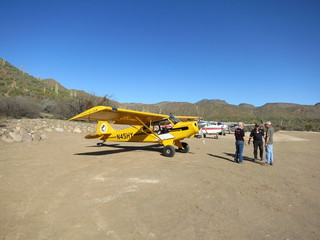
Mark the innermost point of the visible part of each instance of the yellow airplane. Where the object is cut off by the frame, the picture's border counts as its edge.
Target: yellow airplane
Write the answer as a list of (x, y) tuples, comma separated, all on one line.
[(145, 127)]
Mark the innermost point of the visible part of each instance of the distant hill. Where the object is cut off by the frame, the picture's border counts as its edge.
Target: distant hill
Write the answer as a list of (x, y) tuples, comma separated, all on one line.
[(16, 82), (53, 83), (213, 101), (246, 105), (282, 105)]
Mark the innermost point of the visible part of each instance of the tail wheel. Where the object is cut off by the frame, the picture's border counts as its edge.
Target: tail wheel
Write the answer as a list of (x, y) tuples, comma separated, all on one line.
[(169, 151), (185, 148)]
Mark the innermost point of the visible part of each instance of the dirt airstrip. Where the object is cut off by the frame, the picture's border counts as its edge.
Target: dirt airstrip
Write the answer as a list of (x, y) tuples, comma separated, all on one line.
[(68, 188)]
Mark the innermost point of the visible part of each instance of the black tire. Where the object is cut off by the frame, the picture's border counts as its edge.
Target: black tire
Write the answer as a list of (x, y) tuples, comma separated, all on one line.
[(99, 144), (169, 151), (185, 147)]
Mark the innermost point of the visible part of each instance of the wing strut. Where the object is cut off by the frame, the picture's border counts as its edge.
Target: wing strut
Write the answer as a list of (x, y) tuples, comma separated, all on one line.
[(143, 124)]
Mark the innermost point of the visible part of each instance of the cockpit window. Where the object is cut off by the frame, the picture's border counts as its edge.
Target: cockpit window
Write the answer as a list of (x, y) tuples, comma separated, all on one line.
[(174, 119)]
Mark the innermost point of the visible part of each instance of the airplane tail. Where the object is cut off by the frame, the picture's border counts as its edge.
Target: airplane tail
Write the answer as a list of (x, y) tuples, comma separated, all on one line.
[(103, 128)]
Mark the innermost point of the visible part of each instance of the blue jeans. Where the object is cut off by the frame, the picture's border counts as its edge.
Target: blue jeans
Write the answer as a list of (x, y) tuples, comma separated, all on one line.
[(269, 153), (239, 151)]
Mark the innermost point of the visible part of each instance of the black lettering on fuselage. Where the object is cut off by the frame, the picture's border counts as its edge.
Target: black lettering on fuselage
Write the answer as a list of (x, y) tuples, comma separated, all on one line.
[(124, 136)]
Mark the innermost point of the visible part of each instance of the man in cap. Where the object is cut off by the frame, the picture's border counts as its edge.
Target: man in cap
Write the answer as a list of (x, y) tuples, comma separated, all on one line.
[(269, 143), (240, 142), (257, 134)]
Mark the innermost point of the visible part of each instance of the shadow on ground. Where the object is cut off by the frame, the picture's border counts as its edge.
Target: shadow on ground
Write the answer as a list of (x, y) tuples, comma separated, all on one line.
[(120, 149), (230, 157)]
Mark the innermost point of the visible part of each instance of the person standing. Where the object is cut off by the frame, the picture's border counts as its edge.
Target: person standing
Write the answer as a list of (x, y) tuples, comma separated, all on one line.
[(240, 142), (257, 134), (269, 143)]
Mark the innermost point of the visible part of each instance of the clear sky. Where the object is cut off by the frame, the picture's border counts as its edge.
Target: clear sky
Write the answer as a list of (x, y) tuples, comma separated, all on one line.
[(150, 51)]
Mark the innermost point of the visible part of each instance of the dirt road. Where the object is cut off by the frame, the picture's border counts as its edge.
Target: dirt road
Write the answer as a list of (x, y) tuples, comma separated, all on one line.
[(67, 188)]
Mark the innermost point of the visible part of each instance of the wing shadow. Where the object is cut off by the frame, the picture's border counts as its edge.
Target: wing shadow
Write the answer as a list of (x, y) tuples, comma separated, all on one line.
[(120, 149)]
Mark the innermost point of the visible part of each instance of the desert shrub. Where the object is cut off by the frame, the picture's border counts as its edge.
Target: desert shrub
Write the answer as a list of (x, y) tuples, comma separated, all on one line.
[(49, 106), (19, 107), (66, 109)]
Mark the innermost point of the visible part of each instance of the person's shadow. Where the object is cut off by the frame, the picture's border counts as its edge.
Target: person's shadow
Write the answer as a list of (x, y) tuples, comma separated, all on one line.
[(230, 157)]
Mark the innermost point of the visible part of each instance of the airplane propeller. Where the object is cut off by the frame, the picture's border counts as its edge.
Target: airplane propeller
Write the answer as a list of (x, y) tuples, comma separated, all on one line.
[(201, 124)]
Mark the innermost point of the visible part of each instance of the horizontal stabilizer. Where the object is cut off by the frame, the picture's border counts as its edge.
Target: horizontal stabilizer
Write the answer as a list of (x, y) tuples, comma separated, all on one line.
[(92, 136)]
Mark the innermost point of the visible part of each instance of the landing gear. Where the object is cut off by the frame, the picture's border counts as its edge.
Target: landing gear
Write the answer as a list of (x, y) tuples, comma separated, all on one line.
[(185, 148), (169, 151), (100, 144)]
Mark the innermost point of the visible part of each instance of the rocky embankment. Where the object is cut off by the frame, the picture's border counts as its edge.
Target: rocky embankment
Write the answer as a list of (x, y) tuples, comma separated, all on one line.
[(24, 130)]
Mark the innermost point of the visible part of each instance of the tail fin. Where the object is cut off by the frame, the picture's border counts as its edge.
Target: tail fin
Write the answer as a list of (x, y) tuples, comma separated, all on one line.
[(104, 128)]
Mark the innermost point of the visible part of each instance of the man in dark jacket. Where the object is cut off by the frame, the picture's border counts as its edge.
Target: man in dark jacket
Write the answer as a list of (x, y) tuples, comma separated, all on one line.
[(257, 134), (240, 142)]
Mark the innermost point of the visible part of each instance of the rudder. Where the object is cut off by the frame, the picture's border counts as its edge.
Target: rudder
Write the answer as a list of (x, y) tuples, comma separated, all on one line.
[(104, 128)]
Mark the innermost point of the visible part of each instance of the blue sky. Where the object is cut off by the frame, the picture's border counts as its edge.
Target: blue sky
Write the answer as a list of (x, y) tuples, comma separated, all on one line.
[(150, 51)]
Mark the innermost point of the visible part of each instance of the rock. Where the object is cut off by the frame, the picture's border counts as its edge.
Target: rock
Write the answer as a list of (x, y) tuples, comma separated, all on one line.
[(6, 139), (77, 130), (58, 129), (15, 137), (43, 136), (26, 137), (36, 136)]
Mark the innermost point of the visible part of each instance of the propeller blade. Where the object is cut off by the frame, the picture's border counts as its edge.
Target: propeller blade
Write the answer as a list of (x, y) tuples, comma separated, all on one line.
[(202, 136)]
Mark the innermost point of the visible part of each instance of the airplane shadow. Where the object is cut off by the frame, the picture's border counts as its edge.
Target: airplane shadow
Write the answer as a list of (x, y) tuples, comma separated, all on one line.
[(152, 148), (104, 145), (231, 158)]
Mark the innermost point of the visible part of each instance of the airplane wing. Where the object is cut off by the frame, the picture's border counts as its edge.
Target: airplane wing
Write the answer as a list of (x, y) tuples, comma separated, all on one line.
[(186, 118), (122, 116)]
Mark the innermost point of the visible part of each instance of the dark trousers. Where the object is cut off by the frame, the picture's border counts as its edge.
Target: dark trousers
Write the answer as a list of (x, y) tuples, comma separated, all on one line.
[(256, 145)]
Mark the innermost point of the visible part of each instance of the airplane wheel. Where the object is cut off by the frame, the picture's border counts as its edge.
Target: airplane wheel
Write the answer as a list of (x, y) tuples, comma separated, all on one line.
[(185, 147), (99, 144), (169, 151)]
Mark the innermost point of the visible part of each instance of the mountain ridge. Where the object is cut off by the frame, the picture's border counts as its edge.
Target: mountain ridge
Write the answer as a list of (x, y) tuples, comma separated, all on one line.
[(15, 82)]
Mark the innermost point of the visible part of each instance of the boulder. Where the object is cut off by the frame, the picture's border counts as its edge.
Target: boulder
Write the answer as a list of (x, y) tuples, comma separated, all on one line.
[(6, 139), (36, 136), (43, 136), (26, 137), (77, 130), (58, 129), (15, 137)]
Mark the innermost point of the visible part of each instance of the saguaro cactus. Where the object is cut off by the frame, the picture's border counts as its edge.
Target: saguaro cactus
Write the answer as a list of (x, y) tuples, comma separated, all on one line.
[(56, 89)]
